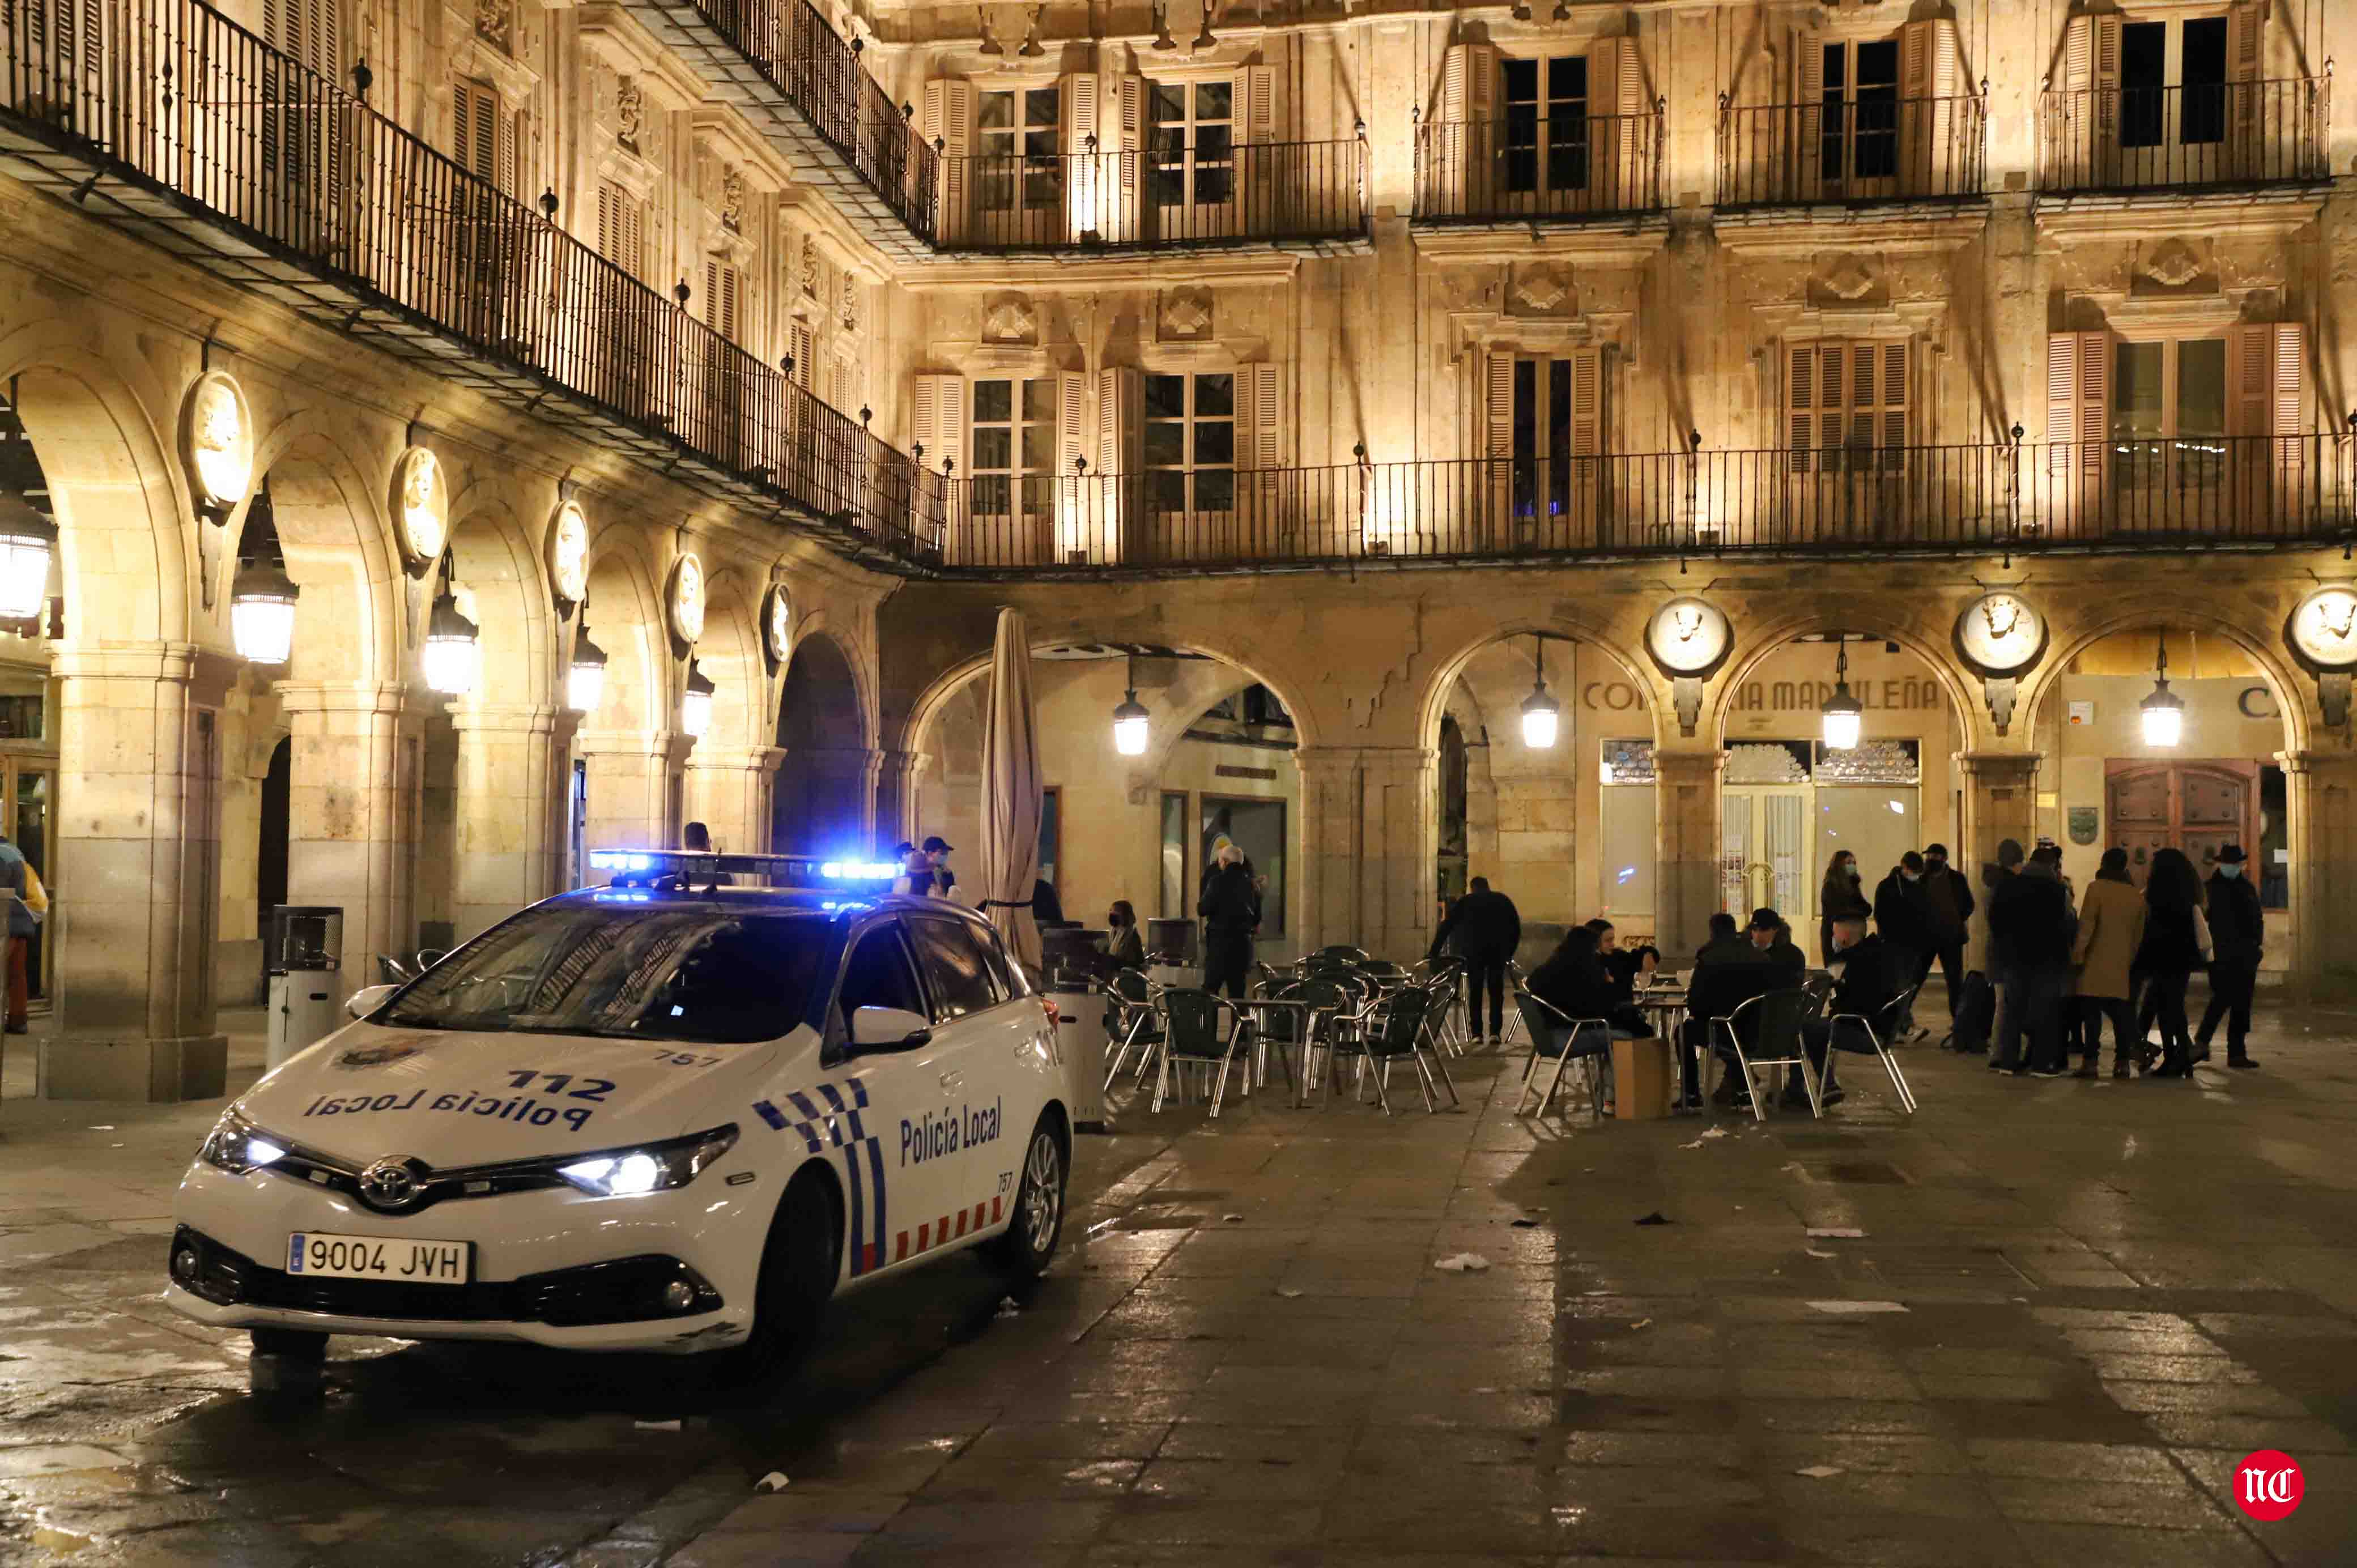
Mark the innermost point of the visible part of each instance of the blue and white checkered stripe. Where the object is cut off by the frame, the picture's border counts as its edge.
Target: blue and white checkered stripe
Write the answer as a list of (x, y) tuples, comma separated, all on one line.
[(818, 1118)]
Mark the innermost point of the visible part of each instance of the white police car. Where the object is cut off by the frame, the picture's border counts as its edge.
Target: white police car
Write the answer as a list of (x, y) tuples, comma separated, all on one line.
[(664, 1115)]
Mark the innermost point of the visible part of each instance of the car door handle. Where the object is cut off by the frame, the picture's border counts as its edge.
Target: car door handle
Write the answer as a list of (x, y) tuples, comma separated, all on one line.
[(950, 1081)]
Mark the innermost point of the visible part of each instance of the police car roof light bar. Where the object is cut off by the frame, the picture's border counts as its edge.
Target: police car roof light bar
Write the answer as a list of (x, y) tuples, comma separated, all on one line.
[(780, 870)]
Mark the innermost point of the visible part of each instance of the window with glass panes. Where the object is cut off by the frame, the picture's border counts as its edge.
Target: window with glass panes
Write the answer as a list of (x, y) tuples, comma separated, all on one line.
[(1014, 436), (1858, 132), (2169, 413), (1016, 133), (1546, 141), (1191, 441), (2173, 83), (1194, 142)]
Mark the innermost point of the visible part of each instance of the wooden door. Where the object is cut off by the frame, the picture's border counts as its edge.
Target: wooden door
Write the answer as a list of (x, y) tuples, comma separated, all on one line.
[(2193, 806)]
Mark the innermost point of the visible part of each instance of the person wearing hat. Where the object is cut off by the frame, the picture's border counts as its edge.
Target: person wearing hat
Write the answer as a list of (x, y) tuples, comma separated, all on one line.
[(938, 851), (2237, 938), (1773, 939)]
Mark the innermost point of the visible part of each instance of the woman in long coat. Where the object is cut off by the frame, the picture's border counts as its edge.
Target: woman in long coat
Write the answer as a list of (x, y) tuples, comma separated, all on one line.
[(2176, 943), (2111, 928)]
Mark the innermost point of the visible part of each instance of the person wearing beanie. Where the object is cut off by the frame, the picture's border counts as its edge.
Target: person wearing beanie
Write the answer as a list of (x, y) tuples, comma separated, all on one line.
[(2111, 928), (2237, 939)]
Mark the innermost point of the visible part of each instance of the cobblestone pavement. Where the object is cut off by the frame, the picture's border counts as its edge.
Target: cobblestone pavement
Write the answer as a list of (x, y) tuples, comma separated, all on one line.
[(2084, 1303)]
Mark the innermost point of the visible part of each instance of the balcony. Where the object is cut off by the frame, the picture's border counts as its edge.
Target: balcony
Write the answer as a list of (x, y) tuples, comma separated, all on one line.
[(167, 120), (2215, 136), (1280, 194), (1851, 153), (1528, 171), (2249, 493), (790, 74)]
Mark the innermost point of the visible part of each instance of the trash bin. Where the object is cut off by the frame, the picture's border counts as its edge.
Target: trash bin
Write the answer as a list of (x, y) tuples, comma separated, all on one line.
[(1080, 1035), (306, 942)]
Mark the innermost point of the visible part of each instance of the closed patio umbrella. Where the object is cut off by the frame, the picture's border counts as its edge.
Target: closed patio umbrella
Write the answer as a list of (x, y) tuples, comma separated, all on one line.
[(1011, 790)]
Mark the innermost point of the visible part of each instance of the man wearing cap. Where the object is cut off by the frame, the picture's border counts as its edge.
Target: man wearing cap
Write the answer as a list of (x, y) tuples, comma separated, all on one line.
[(929, 873), (2237, 937), (1773, 939)]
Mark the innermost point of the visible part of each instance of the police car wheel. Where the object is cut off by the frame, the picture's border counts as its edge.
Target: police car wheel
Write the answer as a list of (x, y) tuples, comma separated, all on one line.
[(799, 1263), (1030, 1240)]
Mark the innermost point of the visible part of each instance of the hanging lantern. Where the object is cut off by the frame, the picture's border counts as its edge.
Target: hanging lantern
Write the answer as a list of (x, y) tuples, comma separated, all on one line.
[(2164, 709), (27, 542), (262, 613), (1843, 714), (695, 704), (1542, 715), (1131, 723), (454, 648), (585, 680)]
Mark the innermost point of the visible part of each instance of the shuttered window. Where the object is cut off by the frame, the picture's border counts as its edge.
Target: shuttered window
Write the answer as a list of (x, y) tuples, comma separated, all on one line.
[(1015, 439), (1191, 441), (723, 286), (621, 228), (1845, 405)]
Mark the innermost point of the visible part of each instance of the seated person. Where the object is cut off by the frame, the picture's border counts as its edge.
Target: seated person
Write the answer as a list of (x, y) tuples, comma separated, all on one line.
[(1728, 971), (1773, 937), (1575, 983), (1866, 977)]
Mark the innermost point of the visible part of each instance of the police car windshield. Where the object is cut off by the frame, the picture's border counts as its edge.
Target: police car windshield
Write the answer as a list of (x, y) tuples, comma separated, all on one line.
[(679, 973)]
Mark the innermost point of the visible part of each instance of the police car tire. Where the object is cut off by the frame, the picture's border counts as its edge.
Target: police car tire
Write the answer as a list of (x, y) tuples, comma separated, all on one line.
[(799, 1263), (1017, 1250)]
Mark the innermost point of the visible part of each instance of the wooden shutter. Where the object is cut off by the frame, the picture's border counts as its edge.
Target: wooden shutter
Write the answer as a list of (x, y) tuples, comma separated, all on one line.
[(1930, 62), (1127, 219), (1498, 406), (1808, 117), (1075, 424), (1459, 166), (1080, 111), (1469, 84), (1256, 103), (938, 422), (621, 228), (800, 346), (1586, 403), (1615, 87), (475, 140), (1260, 422), (2078, 424), (1121, 401), (723, 286), (1800, 423), (2287, 418), (1080, 500), (1083, 186), (2249, 128), (948, 120)]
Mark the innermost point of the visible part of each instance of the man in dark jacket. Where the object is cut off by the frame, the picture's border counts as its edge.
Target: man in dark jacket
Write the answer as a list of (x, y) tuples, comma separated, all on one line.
[(1869, 975), (1905, 927), (1947, 917), (1728, 972), (1230, 910), (2031, 927), (1485, 929), (1773, 941), (2237, 938)]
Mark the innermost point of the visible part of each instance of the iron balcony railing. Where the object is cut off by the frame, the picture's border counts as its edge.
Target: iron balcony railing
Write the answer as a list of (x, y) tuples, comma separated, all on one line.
[(2216, 133), (305, 181), (819, 73), (1530, 170), (2120, 495), (1844, 150), (1213, 193)]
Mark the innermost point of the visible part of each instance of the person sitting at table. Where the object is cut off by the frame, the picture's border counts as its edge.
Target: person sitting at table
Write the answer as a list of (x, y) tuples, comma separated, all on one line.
[(1645, 966), (1575, 983), (1621, 966), (1125, 949), (1865, 972), (1728, 971), (1773, 939)]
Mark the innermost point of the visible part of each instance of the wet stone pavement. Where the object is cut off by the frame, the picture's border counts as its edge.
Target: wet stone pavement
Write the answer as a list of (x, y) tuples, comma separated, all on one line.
[(2069, 1310)]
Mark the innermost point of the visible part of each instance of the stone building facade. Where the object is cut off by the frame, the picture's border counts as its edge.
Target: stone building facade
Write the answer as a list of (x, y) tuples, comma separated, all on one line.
[(1340, 351)]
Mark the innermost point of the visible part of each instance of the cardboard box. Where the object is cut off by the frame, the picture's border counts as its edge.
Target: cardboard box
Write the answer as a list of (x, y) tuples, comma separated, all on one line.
[(1644, 1080)]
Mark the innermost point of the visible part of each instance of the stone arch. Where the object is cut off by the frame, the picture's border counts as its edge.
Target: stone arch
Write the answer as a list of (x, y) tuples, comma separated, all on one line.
[(348, 622), (503, 589), (624, 617), (1755, 645), (121, 503), (730, 655), (1434, 700), (824, 801), (2294, 693)]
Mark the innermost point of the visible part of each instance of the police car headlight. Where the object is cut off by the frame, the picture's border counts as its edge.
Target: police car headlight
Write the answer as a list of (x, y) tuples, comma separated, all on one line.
[(650, 1167), (236, 1146)]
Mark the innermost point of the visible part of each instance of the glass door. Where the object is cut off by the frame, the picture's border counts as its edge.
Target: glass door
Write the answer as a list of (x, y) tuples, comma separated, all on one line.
[(2172, 100), (1544, 153), (1857, 142), (2168, 431), (1193, 159)]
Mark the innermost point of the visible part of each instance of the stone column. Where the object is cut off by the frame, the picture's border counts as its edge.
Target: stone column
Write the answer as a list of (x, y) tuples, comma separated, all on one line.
[(511, 779), (2321, 787), (635, 787), (136, 885), (2000, 801), (729, 791), (1685, 848), (899, 779), (354, 797), (1370, 828)]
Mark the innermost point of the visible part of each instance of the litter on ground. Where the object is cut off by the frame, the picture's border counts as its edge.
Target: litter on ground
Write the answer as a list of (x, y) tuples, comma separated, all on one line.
[(1819, 1472), (1008, 1306), (1837, 1232), (775, 1481), (1852, 1308), (1462, 1263), (656, 1426)]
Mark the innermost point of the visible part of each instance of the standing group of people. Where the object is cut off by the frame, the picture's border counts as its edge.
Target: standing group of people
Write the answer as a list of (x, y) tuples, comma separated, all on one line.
[(2060, 965)]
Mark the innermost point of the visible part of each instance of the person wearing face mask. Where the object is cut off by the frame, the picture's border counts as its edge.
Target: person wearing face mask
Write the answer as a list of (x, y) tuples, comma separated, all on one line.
[(2237, 938), (1124, 947), (1842, 897), (1905, 927), (1947, 916)]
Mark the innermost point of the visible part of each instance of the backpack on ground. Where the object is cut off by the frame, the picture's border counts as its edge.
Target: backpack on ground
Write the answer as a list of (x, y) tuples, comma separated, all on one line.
[(1975, 1013)]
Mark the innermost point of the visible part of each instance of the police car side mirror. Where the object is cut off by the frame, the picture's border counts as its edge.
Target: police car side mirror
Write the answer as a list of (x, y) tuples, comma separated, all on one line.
[(889, 1028), (368, 999)]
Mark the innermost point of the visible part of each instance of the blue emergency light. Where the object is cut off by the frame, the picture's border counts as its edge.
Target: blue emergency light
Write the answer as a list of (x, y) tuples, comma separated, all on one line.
[(690, 867)]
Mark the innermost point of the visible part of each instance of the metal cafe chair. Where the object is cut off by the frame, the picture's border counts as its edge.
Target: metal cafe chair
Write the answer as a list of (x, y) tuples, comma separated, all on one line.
[(1193, 1037), (1339, 1005), (1344, 951), (1445, 981), (1583, 1040), (1130, 1018), (1515, 1022), (1888, 1015), (1395, 1030), (1286, 1027), (1776, 1042)]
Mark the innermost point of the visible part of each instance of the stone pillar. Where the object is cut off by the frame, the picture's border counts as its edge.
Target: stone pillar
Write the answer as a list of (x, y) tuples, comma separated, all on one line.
[(1685, 848), (2000, 802), (354, 798), (136, 879), (898, 780), (512, 778), (729, 793), (1370, 829), (2321, 787), (635, 787)]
